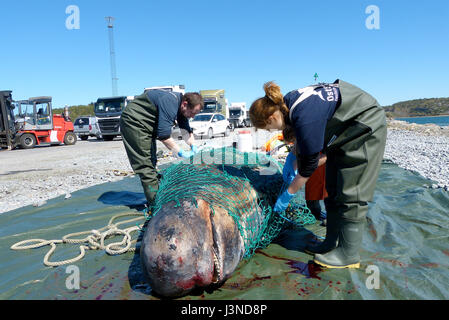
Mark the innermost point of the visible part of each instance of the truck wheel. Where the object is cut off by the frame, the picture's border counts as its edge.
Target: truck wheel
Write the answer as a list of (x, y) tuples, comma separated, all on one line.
[(70, 139), (210, 133), (27, 141)]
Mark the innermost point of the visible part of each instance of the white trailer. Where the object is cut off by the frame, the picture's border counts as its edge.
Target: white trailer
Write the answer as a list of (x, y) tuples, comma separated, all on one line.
[(180, 88)]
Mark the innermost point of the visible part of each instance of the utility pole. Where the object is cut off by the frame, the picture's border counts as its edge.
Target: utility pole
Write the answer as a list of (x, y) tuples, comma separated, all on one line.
[(112, 53)]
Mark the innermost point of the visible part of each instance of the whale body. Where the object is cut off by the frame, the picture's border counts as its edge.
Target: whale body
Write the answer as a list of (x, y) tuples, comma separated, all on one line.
[(196, 243)]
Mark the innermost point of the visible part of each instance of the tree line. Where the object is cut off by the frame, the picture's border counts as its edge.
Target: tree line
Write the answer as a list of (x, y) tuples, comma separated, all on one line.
[(77, 111), (419, 107)]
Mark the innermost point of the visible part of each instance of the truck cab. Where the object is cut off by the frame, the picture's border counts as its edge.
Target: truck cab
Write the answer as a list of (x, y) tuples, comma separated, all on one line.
[(108, 112), (239, 115), (214, 101)]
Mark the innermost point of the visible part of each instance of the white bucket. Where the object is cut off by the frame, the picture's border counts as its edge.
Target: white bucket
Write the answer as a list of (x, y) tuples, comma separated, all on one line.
[(245, 141)]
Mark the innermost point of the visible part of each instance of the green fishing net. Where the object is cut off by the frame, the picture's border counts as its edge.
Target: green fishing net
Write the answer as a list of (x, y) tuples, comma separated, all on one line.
[(246, 185)]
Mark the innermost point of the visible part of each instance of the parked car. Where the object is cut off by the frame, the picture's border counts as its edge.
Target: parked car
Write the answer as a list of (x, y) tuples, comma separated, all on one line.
[(209, 125), (87, 126)]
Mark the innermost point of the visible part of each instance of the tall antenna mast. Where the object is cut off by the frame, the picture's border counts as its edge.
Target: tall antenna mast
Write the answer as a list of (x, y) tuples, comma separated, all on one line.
[(112, 52)]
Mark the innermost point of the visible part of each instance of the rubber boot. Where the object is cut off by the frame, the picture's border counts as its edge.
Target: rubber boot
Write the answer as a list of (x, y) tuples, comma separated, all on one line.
[(346, 255), (331, 240)]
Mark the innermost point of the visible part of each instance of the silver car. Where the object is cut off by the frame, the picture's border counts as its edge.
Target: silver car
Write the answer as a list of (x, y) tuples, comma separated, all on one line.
[(87, 126)]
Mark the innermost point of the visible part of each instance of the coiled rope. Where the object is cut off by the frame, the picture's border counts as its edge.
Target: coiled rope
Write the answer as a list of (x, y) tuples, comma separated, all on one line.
[(95, 240)]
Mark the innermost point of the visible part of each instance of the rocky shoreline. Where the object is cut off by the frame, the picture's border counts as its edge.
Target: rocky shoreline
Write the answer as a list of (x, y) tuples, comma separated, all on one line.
[(420, 148)]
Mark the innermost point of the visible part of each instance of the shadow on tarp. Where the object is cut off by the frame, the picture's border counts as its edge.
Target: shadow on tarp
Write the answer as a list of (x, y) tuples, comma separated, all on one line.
[(133, 200), (405, 243)]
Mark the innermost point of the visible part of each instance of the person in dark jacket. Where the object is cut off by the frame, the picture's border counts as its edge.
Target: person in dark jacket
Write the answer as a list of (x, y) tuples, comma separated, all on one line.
[(348, 126), (151, 116)]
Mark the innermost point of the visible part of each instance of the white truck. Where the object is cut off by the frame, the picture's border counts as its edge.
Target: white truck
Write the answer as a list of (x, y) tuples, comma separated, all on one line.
[(238, 115), (108, 112)]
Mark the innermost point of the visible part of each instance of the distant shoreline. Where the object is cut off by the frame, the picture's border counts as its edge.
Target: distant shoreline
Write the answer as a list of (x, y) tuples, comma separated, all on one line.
[(441, 115)]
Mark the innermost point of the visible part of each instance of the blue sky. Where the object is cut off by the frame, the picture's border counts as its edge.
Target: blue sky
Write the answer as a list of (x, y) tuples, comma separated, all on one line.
[(231, 45)]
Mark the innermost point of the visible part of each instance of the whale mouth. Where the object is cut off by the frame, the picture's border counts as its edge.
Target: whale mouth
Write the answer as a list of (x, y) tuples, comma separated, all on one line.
[(218, 275), (217, 256)]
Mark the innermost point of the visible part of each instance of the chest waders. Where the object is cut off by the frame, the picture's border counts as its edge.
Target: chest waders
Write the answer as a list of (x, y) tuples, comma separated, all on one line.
[(355, 141), (138, 125)]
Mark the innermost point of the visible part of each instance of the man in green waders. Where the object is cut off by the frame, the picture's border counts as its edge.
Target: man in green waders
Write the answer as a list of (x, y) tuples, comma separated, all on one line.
[(151, 116), (349, 126)]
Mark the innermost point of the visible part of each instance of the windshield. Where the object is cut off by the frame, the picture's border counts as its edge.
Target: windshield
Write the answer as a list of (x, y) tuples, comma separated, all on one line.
[(17, 114), (24, 112), (43, 109), (104, 106), (27, 111), (43, 113), (202, 117), (210, 106), (235, 112)]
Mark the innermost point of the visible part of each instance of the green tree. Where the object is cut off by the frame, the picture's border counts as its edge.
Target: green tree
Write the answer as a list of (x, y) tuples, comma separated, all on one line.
[(77, 111), (419, 107)]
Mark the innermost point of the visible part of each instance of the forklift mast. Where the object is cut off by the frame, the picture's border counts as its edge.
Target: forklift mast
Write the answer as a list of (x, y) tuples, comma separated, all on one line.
[(7, 123)]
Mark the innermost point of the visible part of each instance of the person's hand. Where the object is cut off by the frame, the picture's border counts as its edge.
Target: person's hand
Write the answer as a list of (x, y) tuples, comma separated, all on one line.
[(185, 154), (289, 173), (194, 149), (190, 140), (283, 201), (322, 160)]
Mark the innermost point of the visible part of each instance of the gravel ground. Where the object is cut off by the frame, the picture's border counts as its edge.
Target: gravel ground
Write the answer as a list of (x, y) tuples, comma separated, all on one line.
[(31, 177), (420, 148)]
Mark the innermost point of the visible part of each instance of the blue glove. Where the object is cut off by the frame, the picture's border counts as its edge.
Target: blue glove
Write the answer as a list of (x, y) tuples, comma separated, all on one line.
[(194, 149), (288, 173), (283, 201), (185, 154)]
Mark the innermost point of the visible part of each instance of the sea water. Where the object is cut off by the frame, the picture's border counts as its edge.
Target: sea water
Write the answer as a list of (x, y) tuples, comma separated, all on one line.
[(441, 121)]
